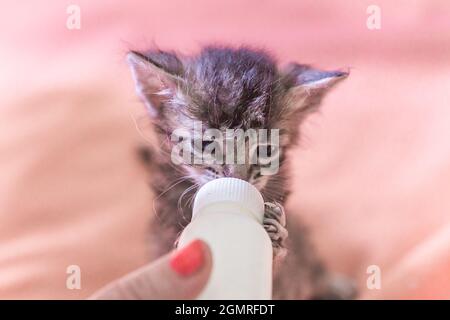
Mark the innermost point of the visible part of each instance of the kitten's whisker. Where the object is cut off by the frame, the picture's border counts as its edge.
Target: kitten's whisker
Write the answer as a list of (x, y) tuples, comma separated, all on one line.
[(179, 204), (191, 200), (139, 130), (175, 183)]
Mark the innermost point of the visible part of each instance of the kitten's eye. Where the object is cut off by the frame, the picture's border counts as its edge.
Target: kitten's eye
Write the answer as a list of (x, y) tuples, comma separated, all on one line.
[(265, 154), (257, 175), (205, 144), (199, 148)]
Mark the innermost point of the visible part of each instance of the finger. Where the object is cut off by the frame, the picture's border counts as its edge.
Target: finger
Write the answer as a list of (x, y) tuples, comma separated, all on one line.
[(181, 274), (421, 274)]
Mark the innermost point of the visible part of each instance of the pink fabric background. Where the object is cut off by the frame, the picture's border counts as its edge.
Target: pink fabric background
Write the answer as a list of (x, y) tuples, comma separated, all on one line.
[(371, 178)]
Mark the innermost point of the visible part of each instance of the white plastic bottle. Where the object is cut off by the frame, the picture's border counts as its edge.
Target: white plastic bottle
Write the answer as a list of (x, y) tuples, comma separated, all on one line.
[(228, 215)]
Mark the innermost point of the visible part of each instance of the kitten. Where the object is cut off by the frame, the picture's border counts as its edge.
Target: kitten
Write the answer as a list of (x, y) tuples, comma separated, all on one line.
[(234, 88)]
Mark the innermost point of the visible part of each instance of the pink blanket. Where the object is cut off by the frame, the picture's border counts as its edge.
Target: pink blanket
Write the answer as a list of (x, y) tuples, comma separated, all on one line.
[(371, 177)]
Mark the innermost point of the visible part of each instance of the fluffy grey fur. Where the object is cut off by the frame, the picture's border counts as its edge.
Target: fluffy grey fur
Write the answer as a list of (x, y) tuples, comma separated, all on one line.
[(237, 88)]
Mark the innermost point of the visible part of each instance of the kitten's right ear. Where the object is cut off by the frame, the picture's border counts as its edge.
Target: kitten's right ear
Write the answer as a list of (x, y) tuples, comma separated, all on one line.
[(156, 75), (308, 85)]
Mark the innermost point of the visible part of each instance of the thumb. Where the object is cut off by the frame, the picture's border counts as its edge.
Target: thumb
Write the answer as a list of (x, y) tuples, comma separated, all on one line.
[(181, 274)]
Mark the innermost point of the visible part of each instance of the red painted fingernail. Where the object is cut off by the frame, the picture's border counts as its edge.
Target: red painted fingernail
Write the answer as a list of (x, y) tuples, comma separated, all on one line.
[(189, 259)]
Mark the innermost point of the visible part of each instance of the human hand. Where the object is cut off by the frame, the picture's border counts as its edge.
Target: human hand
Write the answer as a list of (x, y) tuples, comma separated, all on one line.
[(181, 274)]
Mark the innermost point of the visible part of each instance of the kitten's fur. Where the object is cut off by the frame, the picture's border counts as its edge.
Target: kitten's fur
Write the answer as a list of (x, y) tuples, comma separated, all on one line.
[(233, 88)]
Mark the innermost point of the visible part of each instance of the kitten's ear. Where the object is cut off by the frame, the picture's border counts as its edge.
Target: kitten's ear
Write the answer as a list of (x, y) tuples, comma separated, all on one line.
[(308, 85), (156, 75)]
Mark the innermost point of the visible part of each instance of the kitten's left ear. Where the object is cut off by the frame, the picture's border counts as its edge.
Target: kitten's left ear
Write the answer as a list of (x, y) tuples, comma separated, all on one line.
[(156, 74), (308, 85)]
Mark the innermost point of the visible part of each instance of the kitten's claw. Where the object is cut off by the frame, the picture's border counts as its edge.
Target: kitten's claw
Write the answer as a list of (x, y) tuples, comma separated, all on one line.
[(276, 211), (275, 225), (276, 231)]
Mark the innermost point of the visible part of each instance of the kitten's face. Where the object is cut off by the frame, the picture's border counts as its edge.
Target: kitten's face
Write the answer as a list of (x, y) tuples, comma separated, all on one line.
[(222, 89)]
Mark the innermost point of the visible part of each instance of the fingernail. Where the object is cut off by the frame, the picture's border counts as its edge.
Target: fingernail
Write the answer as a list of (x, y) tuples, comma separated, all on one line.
[(189, 259)]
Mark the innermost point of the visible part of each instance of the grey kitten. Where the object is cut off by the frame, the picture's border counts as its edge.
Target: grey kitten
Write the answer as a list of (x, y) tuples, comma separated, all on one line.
[(234, 88)]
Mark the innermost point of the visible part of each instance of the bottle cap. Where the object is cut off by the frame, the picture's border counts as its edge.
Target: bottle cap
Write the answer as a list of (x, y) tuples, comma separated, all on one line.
[(230, 190)]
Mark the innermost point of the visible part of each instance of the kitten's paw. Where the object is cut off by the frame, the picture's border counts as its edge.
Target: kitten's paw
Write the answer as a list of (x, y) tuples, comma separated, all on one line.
[(275, 225)]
